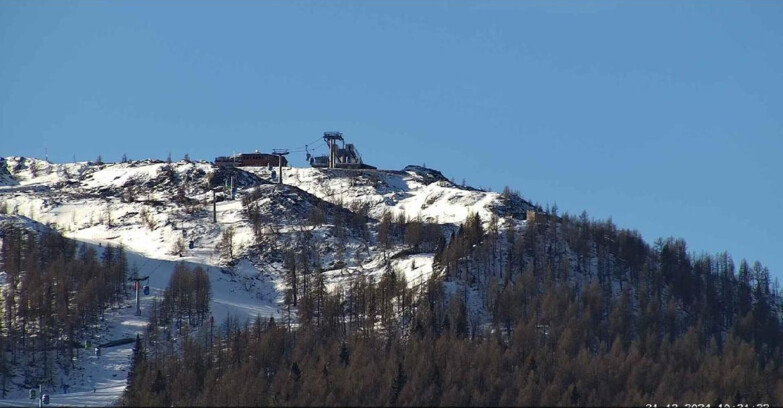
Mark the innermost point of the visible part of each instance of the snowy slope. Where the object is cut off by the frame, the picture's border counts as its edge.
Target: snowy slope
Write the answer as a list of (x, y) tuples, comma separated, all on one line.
[(91, 204), (148, 206), (415, 191), (100, 380)]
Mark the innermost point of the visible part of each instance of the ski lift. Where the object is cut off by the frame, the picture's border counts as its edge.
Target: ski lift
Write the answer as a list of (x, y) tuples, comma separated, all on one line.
[(191, 244), (97, 351), (45, 399), (32, 393), (273, 176), (146, 290)]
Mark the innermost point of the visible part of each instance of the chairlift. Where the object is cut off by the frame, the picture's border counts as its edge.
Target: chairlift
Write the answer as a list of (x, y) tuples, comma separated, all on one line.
[(45, 399), (32, 393), (97, 351), (146, 290)]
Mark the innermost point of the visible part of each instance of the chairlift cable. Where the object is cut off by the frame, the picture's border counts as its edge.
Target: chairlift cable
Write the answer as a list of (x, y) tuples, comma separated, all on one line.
[(302, 147)]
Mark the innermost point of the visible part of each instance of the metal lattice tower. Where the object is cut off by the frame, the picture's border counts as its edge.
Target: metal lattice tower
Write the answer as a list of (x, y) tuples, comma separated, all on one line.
[(331, 139)]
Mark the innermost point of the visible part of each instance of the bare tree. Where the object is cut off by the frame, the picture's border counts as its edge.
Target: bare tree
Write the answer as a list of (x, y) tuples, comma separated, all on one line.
[(108, 214), (225, 247), (179, 247), (147, 218)]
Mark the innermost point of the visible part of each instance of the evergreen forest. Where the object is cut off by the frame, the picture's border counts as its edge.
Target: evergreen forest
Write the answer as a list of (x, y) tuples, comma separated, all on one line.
[(567, 312)]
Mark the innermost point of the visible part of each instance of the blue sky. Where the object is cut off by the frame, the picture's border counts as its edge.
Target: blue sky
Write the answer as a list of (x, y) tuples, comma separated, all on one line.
[(666, 116)]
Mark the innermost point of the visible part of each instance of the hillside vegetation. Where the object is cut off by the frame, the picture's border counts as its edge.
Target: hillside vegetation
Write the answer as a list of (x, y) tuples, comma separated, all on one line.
[(370, 287), (581, 313), (53, 295)]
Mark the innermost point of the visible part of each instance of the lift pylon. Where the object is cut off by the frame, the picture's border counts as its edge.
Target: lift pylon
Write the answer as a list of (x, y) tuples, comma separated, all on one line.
[(280, 153)]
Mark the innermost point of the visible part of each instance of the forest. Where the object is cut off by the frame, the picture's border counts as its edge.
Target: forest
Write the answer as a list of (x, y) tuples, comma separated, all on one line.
[(569, 312), (55, 294)]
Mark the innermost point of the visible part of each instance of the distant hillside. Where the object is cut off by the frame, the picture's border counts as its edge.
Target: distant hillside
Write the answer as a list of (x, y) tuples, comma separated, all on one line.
[(351, 276)]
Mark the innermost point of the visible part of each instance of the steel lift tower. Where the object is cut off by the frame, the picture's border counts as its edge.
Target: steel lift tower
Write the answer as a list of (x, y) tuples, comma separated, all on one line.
[(280, 153), (137, 284), (331, 139)]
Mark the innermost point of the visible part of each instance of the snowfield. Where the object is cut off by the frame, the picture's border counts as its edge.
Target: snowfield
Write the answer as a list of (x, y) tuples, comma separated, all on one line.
[(150, 206), (416, 192)]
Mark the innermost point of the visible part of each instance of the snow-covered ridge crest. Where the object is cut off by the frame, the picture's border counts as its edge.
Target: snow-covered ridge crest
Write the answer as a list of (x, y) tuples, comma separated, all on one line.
[(155, 208), (101, 176), (139, 203), (416, 192)]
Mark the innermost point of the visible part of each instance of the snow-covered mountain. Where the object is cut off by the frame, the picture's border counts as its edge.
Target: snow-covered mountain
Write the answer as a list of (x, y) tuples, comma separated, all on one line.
[(415, 191), (148, 206), (153, 207)]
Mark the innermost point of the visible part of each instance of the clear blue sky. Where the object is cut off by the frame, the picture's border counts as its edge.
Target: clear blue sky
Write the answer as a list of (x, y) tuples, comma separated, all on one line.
[(666, 116)]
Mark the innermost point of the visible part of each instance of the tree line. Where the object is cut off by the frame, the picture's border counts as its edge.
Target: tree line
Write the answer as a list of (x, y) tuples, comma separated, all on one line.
[(55, 293), (576, 312)]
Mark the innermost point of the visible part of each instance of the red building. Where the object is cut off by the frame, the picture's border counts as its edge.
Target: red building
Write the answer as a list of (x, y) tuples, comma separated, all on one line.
[(250, 159)]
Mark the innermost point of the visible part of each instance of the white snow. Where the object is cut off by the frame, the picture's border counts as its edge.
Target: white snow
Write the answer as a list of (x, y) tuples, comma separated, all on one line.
[(406, 192), (84, 202)]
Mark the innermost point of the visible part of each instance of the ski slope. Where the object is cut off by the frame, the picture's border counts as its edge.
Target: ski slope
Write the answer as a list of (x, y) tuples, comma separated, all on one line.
[(140, 206)]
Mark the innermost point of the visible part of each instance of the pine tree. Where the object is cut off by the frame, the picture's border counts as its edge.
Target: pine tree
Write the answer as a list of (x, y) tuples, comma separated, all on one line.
[(397, 384)]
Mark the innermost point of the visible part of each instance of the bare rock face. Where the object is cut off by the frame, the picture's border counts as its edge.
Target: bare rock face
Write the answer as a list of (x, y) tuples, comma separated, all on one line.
[(6, 179), (428, 176)]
